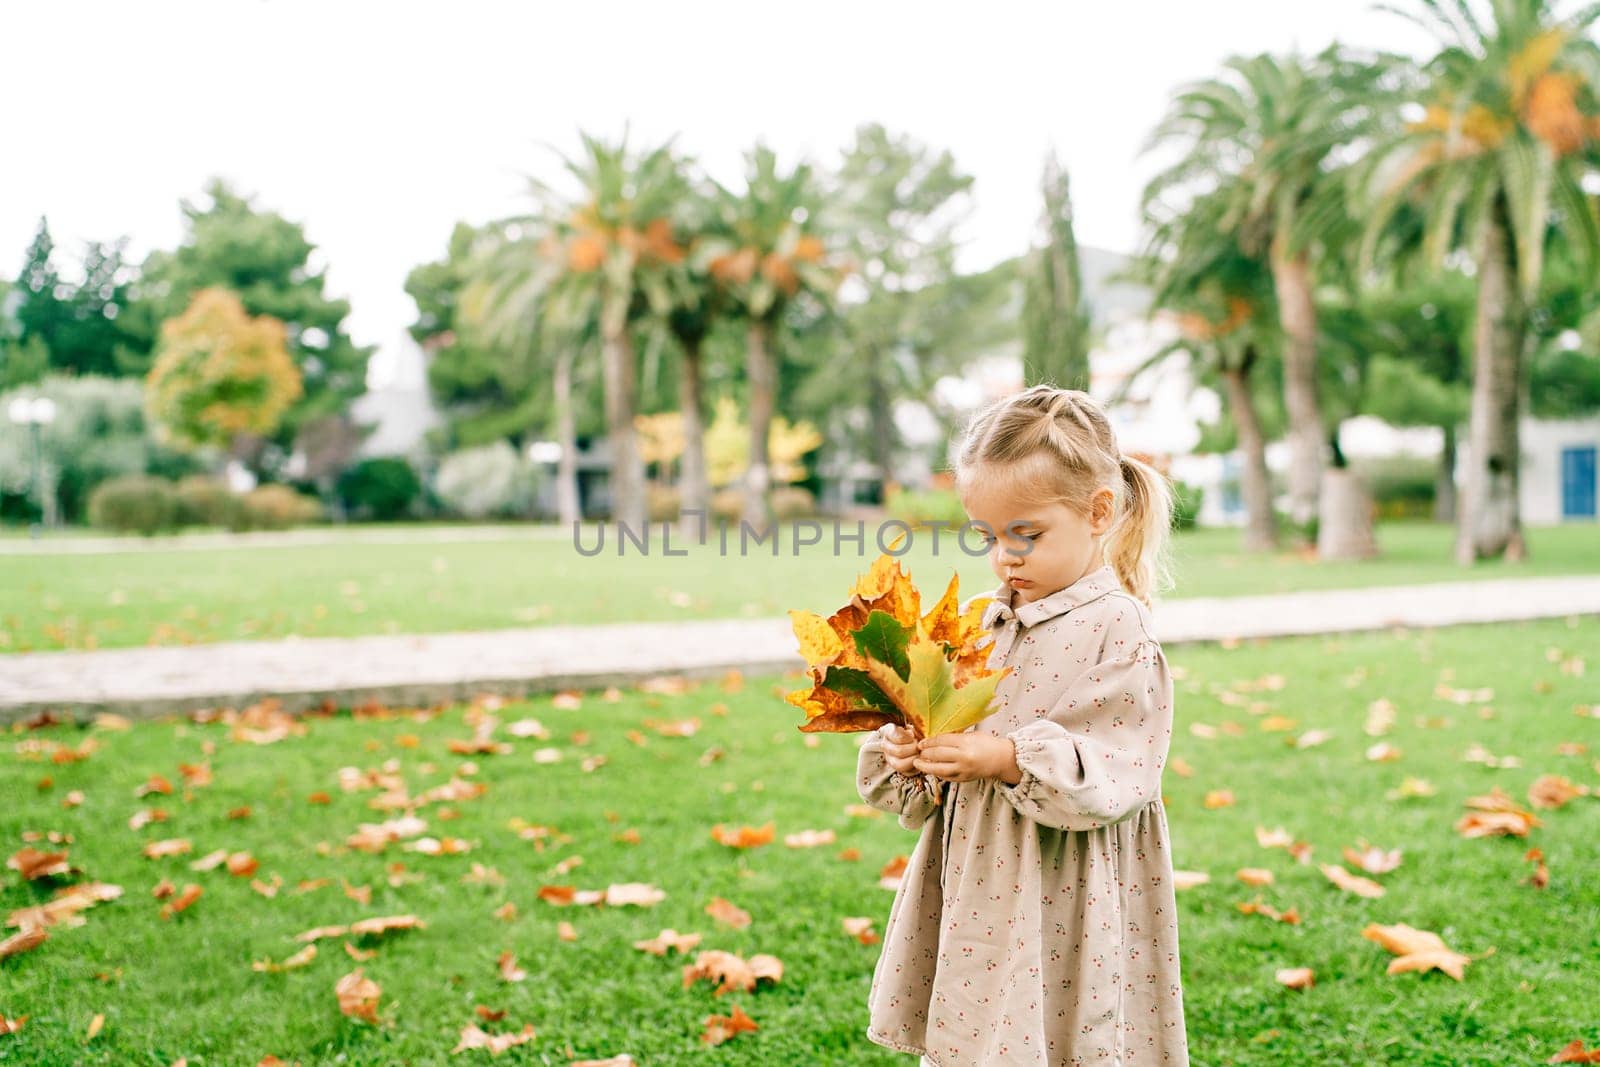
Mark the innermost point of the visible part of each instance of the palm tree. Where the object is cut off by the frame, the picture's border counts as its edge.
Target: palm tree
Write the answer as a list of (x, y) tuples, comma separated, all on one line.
[(1506, 126), (1266, 136), (505, 299), (610, 256), (770, 254), (1221, 301)]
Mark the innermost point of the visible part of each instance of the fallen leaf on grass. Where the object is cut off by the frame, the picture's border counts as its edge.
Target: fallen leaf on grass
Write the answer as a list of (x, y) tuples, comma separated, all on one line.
[(1248, 907), (33, 864), (1416, 950), (96, 1024), (473, 1036), (860, 928), (728, 913), (1351, 883), (175, 846), (1554, 791), (182, 901), (668, 939), (730, 971), (29, 938), (1371, 859), (744, 836), (720, 1028), (299, 959), (1574, 1052), (11, 1026), (1296, 977), (509, 971), (809, 838), (358, 996)]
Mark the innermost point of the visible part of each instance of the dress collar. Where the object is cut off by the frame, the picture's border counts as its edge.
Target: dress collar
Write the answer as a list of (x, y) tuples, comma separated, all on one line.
[(1091, 586)]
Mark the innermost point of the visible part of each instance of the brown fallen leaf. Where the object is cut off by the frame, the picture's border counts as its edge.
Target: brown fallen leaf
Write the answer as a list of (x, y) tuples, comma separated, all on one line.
[(728, 970), (860, 928), (1254, 875), (1371, 859), (33, 864), (1573, 1052), (384, 923), (96, 1024), (889, 877), (728, 913), (1554, 791), (509, 971), (299, 959), (11, 1026), (566, 931), (1248, 907), (176, 846), (182, 901), (25, 940), (360, 955), (473, 1036), (1351, 883), (666, 940), (1416, 950), (744, 836), (623, 1060), (720, 1028), (358, 996), (809, 838), (1296, 977)]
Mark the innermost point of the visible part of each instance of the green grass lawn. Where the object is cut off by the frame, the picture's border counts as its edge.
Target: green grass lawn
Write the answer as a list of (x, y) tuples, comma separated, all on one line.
[(185, 987), (535, 577)]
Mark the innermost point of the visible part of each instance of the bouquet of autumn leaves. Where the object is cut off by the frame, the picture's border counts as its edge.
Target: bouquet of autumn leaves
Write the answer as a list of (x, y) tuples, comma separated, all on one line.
[(880, 660)]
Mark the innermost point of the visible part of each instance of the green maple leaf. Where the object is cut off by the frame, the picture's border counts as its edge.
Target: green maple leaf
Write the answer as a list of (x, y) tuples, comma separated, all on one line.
[(928, 697), (884, 638)]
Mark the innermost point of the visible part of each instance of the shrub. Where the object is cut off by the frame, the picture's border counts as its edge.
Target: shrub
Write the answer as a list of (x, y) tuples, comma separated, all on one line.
[(1402, 487), (727, 504), (488, 480), (274, 507), (663, 503), (134, 503), (384, 487), (793, 502), (1186, 501), (918, 506), (205, 501)]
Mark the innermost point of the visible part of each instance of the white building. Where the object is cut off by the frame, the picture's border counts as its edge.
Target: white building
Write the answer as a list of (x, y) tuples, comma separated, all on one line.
[(397, 402)]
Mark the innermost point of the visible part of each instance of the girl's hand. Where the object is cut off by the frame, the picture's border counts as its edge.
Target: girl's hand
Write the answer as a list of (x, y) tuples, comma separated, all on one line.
[(899, 747), (965, 756)]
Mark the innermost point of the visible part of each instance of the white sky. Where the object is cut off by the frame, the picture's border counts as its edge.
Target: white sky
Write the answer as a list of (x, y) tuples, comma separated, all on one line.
[(378, 126)]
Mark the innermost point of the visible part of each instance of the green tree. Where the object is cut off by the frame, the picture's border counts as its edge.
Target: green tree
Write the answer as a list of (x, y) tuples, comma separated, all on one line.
[(1055, 314), (1221, 300), (894, 207), (1495, 158), (772, 257), (1266, 134), (608, 257), (88, 328), (268, 261)]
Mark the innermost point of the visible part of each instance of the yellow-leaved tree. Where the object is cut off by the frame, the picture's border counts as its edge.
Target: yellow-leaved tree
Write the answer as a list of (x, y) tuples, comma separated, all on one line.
[(219, 372), (728, 447)]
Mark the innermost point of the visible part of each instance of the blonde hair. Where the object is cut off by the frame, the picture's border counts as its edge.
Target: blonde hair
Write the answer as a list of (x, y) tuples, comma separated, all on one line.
[(1052, 445)]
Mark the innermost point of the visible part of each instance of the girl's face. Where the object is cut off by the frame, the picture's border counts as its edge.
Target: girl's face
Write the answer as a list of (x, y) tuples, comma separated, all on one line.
[(1037, 550)]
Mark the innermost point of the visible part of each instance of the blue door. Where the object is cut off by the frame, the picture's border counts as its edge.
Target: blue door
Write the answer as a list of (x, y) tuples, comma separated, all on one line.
[(1578, 483)]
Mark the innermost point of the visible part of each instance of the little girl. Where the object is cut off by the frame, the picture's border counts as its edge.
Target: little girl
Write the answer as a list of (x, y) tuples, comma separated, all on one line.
[(1036, 922)]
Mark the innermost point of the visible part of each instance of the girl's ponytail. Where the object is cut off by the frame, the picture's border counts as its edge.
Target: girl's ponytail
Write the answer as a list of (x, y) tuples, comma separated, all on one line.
[(1136, 546)]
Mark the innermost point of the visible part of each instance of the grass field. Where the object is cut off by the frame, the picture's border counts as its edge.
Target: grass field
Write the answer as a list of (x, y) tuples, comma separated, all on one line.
[(185, 986), (535, 577)]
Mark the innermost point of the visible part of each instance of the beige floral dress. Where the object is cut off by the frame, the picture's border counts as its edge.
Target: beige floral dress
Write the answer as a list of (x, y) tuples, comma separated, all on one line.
[(1036, 923)]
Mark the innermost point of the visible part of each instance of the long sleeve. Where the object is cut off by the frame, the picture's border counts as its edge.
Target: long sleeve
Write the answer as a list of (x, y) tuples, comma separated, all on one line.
[(905, 795), (1109, 764)]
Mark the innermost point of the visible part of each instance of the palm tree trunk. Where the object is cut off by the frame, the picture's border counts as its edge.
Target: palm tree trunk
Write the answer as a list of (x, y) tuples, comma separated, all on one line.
[(1297, 315), (1444, 482), (762, 380), (1490, 522), (567, 510), (1260, 531), (878, 395), (627, 470), (694, 493)]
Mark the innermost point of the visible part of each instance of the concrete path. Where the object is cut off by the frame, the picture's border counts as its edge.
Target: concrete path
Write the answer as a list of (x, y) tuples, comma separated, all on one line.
[(417, 670)]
